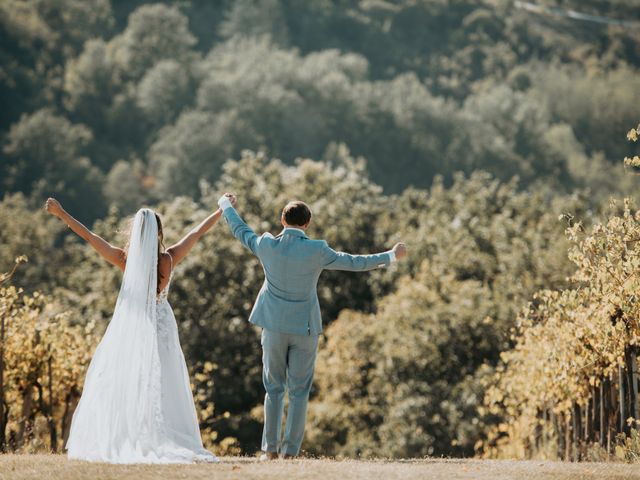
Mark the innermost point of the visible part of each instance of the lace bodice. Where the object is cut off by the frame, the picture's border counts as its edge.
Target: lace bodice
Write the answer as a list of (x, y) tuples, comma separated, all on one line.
[(166, 321), (162, 296)]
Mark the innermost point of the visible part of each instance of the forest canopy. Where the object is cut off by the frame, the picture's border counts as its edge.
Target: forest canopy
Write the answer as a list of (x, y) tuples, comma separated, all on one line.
[(160, 95)]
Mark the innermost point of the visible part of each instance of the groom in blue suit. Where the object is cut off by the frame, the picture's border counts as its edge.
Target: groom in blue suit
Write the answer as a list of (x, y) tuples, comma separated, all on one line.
[(288, 311)]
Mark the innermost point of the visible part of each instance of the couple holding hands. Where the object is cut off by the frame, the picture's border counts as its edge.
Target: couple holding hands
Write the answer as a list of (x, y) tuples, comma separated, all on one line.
[(136, 404)]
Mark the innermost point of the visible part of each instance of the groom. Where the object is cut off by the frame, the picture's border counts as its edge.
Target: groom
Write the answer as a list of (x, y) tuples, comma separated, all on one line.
[(288, 311)]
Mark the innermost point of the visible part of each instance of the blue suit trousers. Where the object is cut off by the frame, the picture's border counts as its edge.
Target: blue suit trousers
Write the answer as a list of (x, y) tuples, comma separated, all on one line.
[(288, 364)]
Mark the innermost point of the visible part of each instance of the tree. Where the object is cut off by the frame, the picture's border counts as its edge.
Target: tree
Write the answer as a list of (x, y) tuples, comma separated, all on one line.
[(37, 38), (75, 21), (44, 156), (127, 186), (599, 106), (387, 381), (21, 88), (407, 380), (90, 83), (163, 92), (251, 18), (30, 232), (194, 149), (154, 32)]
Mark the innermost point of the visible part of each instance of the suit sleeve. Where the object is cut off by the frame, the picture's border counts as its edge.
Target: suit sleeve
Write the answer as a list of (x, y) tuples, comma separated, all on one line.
[(332, 260), (241, 230)]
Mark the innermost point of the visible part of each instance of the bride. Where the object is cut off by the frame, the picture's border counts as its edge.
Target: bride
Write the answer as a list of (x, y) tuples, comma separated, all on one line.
[(136, 405)]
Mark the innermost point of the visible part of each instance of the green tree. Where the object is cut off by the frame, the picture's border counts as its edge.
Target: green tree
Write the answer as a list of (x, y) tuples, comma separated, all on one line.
[(31, 232), (194, 149), (163, 92), (90, 83), (251, 18), (36, 39), (44, 156), (154, 32), (408, 379), (75, 21), (127, 186)]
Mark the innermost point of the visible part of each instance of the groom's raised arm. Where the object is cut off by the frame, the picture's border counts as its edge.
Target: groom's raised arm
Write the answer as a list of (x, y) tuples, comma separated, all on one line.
[(333, 260), (239, 228)]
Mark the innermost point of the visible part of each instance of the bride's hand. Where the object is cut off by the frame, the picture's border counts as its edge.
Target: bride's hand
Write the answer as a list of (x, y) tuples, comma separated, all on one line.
[(53, 207), (232, 198)]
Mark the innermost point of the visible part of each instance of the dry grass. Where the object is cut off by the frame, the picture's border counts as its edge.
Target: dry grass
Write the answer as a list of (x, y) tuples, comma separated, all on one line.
[(53, 467)]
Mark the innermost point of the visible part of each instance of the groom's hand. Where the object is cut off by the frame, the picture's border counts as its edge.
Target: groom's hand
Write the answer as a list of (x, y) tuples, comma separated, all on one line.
[(232, 198), (400, 250), (226, 201)]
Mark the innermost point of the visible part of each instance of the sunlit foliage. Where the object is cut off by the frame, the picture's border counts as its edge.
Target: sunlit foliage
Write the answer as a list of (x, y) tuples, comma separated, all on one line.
[(43, 358), (110, 106)]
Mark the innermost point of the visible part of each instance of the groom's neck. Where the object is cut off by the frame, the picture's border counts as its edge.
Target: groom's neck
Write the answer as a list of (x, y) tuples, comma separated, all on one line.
[(299, 227)]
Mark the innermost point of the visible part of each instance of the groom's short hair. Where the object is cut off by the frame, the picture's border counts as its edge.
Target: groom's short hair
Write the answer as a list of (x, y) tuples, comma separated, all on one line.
[(296, 213)]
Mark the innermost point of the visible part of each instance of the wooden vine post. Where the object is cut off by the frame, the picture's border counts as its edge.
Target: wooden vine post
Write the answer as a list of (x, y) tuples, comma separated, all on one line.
[(634, 381)]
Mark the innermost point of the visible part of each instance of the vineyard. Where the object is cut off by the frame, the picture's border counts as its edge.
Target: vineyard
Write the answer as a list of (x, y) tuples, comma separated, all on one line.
[(42, 362), (569, 388)]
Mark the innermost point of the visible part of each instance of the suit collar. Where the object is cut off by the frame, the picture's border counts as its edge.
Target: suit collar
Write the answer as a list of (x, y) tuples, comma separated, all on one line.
[(297, 232)]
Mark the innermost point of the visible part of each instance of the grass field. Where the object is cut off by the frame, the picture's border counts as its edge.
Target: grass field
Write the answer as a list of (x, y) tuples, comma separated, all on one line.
[(53, 467)]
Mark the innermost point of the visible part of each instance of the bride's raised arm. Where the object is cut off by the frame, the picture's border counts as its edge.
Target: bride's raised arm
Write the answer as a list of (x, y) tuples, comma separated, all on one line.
[(111, 254), (182, 248)]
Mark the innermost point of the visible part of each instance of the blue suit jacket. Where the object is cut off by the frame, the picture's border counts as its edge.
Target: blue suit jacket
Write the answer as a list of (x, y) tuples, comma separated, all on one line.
[(292, 263)]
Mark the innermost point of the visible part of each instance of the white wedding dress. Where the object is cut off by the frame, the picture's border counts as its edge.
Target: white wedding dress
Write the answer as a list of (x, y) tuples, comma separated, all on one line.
[(137, 405)]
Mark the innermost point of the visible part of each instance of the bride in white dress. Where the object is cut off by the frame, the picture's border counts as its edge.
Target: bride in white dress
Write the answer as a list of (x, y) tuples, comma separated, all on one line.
[(136, 404)]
